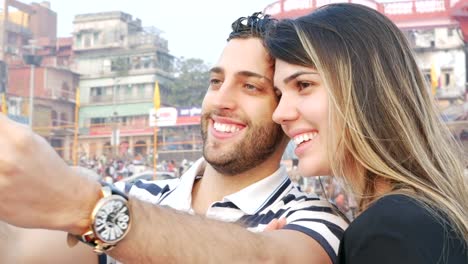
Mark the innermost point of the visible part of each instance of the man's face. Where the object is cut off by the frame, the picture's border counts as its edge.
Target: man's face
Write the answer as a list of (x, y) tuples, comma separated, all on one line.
[(237, 128)]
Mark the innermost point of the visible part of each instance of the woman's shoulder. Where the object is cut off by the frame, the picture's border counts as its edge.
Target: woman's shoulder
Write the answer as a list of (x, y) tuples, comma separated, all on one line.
[(407, 228), (399, 211), (397, 204)]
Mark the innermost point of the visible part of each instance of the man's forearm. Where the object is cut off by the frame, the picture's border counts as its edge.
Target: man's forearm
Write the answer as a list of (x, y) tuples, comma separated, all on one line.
[(161, 235)]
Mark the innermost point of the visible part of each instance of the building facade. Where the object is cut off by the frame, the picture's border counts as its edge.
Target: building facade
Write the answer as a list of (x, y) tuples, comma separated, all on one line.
[(23, 22), (119, 62), (40, 85)]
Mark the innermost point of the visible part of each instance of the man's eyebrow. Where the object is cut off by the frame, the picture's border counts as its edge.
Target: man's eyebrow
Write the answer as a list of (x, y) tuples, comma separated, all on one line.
[(242, 73), (254, 74), (217, 70), (295, 75)]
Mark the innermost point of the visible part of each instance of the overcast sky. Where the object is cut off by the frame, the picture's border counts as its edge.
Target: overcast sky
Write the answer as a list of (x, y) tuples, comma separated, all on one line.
[(194, 29)]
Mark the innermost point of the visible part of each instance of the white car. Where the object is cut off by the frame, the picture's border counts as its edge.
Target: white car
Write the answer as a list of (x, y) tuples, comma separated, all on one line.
[(149, 175)]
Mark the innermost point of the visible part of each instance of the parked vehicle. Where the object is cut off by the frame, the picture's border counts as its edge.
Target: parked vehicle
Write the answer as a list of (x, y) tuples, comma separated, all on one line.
[(149, 175)]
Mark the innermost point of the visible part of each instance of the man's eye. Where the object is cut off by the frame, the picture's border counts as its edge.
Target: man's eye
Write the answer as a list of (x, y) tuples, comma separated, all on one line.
[(250, 86), (215, 81)]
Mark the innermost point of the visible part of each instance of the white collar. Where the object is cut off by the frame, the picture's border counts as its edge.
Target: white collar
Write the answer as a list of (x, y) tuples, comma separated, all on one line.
[(255, 196), (250, 199)]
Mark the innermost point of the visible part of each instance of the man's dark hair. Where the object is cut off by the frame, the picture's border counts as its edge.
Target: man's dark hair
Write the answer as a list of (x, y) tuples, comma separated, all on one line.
[(255, 25)]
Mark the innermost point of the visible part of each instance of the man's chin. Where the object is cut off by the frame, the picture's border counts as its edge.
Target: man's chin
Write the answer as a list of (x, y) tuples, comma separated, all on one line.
[(215, 157)]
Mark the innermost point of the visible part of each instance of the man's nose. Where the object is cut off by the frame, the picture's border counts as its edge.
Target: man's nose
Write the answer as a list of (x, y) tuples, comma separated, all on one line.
[(225, 96)]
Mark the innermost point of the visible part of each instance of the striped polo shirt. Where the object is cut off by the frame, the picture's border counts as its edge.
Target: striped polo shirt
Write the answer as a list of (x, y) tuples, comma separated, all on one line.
[(254, 206)]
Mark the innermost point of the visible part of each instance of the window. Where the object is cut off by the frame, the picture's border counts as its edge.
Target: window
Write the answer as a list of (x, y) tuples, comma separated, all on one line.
[(141, 90), (95, 38), (98, 120), (96, 91), (446, 77), (54, 117), (79, 40), (87, 41), (128, 90), (450, 32), (136, 62), (147, 61), (65, 91), (119, 89), (14, 106), (124, 120), (120, 64), (165, 61), (63, 119)]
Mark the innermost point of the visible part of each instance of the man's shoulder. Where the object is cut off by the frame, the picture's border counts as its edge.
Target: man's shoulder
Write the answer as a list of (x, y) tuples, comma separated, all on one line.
[(154, 191), (296, 199), (150, 191)]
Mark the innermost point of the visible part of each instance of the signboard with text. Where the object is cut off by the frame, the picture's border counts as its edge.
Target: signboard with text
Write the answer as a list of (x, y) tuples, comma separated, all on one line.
[(163, 117)]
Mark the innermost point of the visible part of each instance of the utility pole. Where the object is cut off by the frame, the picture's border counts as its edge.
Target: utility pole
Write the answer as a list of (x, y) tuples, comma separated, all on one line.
[(33, 61), (115, 140), (3, 86), (3, 28), (465, 42), (3, 65)]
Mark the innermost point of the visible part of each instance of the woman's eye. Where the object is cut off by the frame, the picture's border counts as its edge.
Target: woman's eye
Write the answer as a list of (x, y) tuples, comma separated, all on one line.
[(303, 85), (278, 93)]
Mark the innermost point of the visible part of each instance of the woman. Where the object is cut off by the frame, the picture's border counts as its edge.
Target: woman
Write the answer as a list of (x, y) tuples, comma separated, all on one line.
[(357, 107)]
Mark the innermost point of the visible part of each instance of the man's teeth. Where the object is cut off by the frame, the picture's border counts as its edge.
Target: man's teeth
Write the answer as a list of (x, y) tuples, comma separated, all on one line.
[(304, 137), (226, 128)]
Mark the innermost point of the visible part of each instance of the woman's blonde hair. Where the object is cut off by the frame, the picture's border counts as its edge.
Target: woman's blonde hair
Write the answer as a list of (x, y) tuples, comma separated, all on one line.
[(388, 128)]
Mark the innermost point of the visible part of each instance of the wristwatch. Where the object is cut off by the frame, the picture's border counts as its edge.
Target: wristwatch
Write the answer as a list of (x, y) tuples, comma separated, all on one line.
[(110, 220)]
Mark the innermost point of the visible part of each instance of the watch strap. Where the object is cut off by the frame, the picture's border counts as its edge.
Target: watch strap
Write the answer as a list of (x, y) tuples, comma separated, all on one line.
[(114, 190)]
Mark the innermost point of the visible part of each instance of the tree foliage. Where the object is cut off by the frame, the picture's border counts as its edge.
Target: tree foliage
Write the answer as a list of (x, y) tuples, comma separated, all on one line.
[(190, 83)]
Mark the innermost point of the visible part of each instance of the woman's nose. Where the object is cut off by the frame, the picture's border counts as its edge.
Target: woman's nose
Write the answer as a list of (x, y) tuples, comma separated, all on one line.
[(285, 111)]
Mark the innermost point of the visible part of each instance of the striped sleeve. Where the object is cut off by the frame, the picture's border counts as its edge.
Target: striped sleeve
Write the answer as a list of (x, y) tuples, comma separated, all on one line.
[(317, 219), (148, 191)]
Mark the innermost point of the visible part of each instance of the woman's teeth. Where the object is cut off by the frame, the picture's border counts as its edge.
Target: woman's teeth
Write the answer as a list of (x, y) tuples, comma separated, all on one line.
[(304, 137)]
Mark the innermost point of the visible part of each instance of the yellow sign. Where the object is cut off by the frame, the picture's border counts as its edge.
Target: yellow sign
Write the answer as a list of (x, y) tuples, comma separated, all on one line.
[(156, 97), (434, 79), (77, 99), (4, 104)]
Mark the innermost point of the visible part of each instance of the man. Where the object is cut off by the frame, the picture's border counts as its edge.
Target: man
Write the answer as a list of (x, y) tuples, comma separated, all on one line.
[(240, 182)]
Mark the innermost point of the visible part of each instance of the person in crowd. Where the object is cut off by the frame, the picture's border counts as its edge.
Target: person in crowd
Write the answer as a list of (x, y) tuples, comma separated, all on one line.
[(234, 183), (171, 166), (358, 108)]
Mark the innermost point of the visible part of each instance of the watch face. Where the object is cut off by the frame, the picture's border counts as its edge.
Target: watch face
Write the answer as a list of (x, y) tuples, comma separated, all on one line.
[(112, 220)]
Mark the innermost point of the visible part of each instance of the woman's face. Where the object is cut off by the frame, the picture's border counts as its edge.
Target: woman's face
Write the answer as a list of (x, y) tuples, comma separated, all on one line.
[(303, 115)]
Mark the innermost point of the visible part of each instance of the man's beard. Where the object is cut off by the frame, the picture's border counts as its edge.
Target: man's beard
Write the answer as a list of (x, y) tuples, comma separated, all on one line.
[(260, 142)]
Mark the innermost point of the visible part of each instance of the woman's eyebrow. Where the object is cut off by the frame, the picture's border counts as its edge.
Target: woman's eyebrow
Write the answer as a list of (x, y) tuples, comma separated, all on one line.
[(297, 74)]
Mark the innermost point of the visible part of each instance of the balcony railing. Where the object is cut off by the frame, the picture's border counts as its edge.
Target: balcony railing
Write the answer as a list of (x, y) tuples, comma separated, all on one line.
[(120, 98)]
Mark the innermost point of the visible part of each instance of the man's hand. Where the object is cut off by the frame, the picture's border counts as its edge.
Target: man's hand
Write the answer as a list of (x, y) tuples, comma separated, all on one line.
[(37, 188)]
